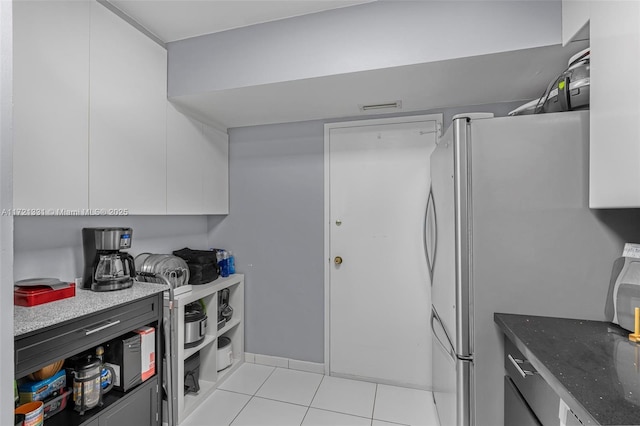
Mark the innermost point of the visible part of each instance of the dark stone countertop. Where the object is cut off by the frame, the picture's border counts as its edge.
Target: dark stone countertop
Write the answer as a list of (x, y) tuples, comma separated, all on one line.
[(591, 365)]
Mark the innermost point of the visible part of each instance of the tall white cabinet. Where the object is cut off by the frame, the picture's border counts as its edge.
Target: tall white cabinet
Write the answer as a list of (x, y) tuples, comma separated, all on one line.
[(128, 86), (614, 157), (51, 104), (614, 160)]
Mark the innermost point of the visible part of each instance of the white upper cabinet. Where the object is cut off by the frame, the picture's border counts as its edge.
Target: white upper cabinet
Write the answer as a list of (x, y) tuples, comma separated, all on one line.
[(197, 166), (615, 105), (216, 171), (127, 139), (51, 100), (575, 17), (91, 125)]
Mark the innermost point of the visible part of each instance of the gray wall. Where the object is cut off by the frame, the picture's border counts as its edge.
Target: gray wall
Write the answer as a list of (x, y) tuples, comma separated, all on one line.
[(371, 36), (275, 229), (52, 246)]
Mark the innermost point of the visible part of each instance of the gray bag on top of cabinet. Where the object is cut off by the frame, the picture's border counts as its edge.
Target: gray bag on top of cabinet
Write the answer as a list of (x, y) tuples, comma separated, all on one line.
[(624, 292)]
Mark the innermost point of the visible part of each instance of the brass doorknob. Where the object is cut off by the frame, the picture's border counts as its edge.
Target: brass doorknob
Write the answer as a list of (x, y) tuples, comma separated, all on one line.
[(338, 260)]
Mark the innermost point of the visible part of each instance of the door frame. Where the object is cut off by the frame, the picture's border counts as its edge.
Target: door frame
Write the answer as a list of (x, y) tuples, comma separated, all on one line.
[(365, 122)]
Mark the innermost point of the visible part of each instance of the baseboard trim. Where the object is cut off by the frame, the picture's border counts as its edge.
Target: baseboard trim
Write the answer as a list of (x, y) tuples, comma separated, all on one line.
[(292, 364)]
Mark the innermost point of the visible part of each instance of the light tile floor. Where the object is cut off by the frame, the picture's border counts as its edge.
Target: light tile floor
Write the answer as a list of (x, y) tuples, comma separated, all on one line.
[(258, 395)]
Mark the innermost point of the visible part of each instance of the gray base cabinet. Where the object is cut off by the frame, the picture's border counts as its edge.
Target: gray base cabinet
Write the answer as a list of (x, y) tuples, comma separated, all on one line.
[(138, 406), (528, 398), (516, 409), (142, 402)]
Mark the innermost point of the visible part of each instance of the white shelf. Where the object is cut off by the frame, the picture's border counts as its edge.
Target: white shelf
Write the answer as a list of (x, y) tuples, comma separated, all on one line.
[(193, 400), (209, 377), (203, 290), (208, 339), (229, 326)]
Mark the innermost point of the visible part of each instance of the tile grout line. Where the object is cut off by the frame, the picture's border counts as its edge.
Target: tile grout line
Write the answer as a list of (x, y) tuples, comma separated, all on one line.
[(373, 409), (311, 402), (252, 396), (265, 381), (235, 392), (243, 407), (341, 412), (281, 401)]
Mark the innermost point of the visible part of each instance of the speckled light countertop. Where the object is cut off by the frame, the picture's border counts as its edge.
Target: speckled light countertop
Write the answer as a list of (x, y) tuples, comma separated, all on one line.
[(85, 302), (591, 365)]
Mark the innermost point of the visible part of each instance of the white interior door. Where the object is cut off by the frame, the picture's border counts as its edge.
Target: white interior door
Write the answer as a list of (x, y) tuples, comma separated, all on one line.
[(379, 296)]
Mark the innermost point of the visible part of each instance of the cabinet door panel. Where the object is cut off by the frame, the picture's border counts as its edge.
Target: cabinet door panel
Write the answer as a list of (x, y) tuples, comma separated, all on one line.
[(51, 104), (185, 163), (516, 410), (216, 172), (139, 409), (127, 144), (197, 166), (614, 171)]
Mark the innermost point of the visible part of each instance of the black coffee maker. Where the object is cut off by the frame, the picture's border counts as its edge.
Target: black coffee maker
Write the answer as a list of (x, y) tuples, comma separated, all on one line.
[(107, 268)]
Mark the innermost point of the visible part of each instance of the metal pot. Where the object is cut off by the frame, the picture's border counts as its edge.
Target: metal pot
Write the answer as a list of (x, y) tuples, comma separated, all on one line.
[(171, 267), (195, 324)]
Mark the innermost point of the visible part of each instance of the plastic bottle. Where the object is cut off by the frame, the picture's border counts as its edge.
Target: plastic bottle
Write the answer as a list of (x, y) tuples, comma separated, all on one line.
[(223, 263), (232, 263)]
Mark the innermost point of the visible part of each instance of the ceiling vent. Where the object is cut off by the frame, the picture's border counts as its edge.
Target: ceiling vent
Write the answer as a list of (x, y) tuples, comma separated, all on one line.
[(385, 105)]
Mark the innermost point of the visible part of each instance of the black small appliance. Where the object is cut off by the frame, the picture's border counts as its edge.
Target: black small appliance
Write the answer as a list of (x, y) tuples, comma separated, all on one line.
[(224, 310), (124, 355), (106, 267), (192, 374)]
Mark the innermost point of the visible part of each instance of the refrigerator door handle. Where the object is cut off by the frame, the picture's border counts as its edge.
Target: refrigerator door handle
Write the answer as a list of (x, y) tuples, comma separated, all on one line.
[(447, 348), (430, 234)]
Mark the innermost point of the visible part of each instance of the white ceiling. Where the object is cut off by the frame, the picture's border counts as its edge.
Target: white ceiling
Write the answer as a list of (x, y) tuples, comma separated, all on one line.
[(502, 77), (172, 20)]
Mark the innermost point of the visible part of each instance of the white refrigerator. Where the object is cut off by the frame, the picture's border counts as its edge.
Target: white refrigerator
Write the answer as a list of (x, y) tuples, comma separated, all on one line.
[(508, 229)]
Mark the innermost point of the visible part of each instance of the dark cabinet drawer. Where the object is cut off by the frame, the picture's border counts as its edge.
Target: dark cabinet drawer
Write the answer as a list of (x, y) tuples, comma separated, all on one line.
[(544, 402), (516, 410), (37, 349), (140, 409)]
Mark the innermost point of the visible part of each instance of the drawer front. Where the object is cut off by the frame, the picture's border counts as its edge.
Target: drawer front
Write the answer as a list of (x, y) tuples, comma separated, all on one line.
[(37, 350), (516, 410), (544, 402), (139, 409)]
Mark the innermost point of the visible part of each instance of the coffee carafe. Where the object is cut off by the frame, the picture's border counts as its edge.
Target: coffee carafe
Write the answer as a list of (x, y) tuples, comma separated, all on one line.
[(87, 383), (105, 266)]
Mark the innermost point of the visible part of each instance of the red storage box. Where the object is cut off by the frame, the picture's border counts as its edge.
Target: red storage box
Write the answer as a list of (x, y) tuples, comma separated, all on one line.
[(37, 295)]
